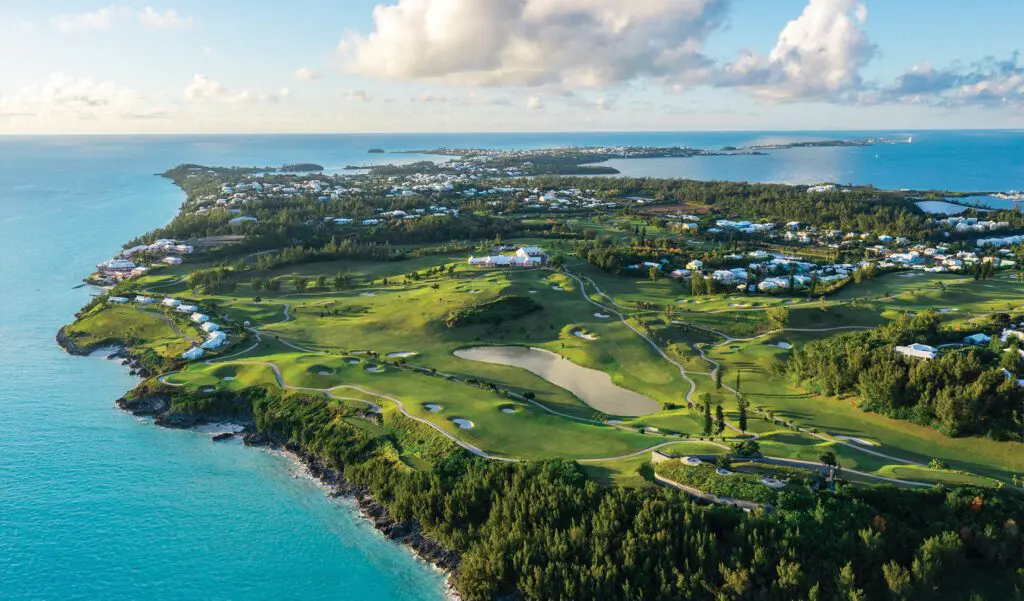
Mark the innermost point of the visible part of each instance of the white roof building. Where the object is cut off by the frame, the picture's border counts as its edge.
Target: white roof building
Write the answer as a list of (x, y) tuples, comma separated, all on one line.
[(210, 327), (117, 300), (192, 353), (215, 340), (171, 302), (199, 318), (144, 300), (921, 351)]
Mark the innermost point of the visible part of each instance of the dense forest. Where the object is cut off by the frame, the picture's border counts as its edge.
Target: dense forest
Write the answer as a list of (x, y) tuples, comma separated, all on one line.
[(963, 391), (543, 531)]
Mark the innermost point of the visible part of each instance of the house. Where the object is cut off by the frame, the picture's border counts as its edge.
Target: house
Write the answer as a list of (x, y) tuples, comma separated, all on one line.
[(241, 220), (171, 302), (144, 300), (532, 252), (186, 308), (117, 300), (193, 353), (680, 274), (695, 265), (172, 260), (210, 327), (199, 318), (921, 351), (1007, 334), (215, 340), (978, 338)]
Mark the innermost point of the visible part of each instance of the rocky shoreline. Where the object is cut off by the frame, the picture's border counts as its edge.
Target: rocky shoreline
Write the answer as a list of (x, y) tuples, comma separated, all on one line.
[(119, 352), (157, 405)]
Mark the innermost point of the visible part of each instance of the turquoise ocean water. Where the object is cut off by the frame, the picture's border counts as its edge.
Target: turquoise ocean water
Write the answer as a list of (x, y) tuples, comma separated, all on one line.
[(95, 504)]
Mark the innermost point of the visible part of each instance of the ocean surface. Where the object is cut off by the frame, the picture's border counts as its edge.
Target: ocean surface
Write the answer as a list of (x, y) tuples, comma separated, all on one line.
[(95, 504)]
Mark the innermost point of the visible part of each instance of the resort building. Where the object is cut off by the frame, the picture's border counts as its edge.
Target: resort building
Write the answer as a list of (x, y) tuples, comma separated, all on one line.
[(921, 351), (978, 339), (171, 302), (199, 318), (192, 353)]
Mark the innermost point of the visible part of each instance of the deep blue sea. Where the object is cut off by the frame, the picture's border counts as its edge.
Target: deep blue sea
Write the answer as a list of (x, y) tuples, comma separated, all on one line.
[(95, 504)]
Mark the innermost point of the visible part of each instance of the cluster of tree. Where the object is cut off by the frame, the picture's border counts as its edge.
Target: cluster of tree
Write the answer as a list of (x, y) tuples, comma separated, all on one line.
[(506, 308), (212, 280), (962, 391), (860, 209), (543, 530)]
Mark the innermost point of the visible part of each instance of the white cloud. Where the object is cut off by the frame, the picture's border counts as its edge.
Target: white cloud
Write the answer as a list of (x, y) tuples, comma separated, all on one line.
[(168, 19), (109, 16), (99, 19), (307, 74), (429, 98), (357, 95), (535, 103), (989, 83), (204, 88), (818, 56), (62, 97), (534, 42)]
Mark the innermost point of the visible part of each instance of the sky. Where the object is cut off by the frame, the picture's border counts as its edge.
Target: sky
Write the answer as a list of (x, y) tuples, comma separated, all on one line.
[(233, 66)]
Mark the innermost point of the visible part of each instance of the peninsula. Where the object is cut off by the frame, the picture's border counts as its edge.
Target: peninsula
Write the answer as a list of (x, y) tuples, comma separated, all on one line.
[(564, 387)]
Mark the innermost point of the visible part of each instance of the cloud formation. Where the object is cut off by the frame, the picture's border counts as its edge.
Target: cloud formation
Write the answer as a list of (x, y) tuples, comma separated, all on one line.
[(107, 17), (203, 88), (987, 83), (535, 42), (64, 97), (818, 56), (307, 74)]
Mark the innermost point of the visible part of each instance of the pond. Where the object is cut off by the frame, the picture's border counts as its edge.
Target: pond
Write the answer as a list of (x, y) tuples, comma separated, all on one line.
[(595, 388)]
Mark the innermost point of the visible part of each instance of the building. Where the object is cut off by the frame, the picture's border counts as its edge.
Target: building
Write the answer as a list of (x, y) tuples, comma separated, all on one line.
[(117, 300), (144, 300), (199, 318), (978, 339), (921, 351), (210, 327), (192, 353), (532, 252), (215, 340), (172, 260), (171, 302)]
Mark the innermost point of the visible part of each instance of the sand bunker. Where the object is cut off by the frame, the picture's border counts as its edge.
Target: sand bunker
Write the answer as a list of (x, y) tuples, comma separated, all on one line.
[(402, 354), (374, 369), (464, 424), (602, 316), (584, 335), (691, 461), (432, 407), (368, 294), (591, 386)]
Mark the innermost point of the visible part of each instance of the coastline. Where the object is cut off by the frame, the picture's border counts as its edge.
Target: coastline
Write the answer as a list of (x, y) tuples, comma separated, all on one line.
[(331, 480)]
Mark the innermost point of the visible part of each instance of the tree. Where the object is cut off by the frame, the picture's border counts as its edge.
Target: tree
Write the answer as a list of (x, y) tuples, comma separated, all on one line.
[(257, 284), (897, 578), (300, 283), (737, 388), (709, 424), (828, 458), (719, 420), (321, 282), (653, 272), (778, 316), (273, 285), (743, 415), (718, 379)]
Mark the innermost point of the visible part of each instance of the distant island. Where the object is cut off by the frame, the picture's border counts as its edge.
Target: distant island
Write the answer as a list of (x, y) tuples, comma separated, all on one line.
[(376, 151)]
